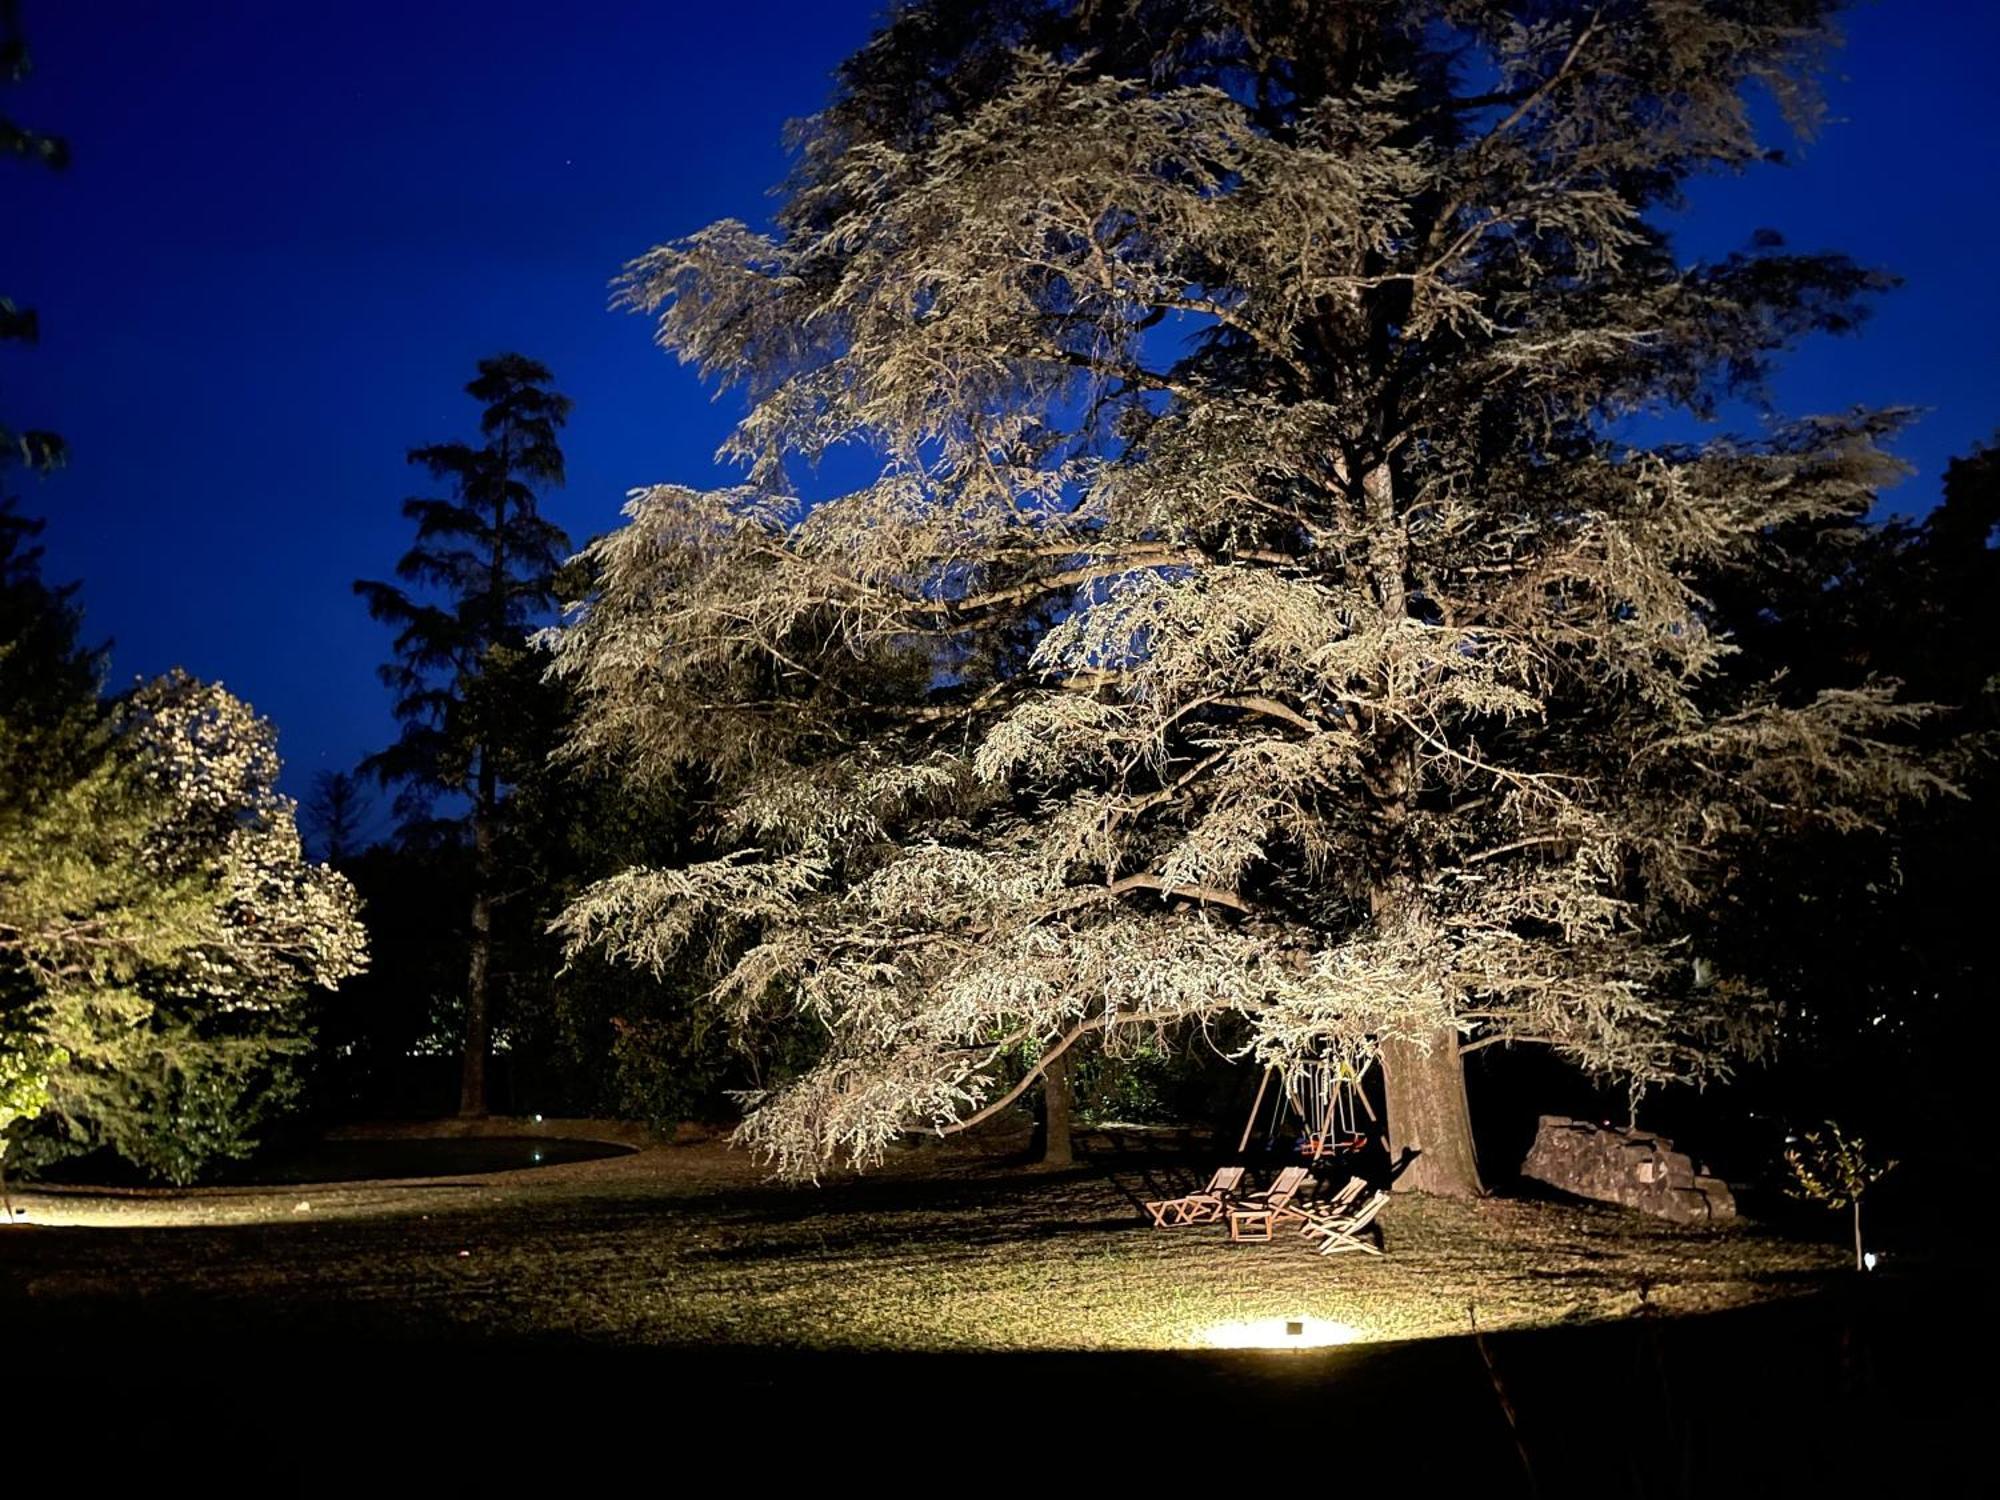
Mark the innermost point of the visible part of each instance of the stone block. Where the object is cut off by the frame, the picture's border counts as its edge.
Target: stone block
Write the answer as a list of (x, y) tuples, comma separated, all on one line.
[(1625, 1167)]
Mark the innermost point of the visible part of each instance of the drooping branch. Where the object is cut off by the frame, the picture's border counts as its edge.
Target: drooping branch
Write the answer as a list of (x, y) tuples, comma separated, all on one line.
[(1205, 895), (1050, 1054)]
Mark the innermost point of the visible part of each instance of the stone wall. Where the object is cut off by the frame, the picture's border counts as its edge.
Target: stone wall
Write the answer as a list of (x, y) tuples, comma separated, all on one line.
[(1625, 1166)]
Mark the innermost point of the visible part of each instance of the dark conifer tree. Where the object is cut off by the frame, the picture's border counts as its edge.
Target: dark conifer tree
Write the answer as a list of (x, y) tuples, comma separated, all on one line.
[(480, 576), (336, 814), (37, 450)]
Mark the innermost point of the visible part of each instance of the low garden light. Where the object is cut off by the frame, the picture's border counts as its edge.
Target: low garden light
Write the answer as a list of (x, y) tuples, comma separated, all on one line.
[(1279, 1333)]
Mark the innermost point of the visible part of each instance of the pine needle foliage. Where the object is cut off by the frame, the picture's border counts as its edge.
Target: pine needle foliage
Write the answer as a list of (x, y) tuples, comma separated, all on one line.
[(1255, 610), (468, 690)]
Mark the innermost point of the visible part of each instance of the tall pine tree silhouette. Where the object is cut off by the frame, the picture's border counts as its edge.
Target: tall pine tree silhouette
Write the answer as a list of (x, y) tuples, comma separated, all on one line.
[(32, 449), (481, 574)]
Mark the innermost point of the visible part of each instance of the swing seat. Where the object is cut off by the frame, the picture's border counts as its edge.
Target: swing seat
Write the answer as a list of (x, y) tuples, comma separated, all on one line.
[(1203, 1207), (1318, 1146)]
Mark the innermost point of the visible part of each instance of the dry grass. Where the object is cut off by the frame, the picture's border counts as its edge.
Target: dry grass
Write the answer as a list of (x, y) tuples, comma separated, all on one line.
[(681, 1245)]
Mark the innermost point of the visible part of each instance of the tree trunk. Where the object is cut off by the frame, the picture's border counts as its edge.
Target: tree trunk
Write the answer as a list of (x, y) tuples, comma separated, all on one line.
[(1424, 1088), (1428, 1115), (478, 1021), (1056, 1148), (472, 1081)]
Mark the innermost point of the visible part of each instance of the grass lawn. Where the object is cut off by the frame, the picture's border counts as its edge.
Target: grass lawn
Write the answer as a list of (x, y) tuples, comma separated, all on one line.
[(683, 1245), (956, 1302)]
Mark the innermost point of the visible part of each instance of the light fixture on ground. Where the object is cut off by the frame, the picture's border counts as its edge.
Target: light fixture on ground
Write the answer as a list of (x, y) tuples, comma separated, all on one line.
[(1278, 1333)]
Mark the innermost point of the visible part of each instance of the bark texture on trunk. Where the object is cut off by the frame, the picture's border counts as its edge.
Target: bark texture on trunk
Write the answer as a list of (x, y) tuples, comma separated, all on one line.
[(1056, 1148), (1428, 1115)]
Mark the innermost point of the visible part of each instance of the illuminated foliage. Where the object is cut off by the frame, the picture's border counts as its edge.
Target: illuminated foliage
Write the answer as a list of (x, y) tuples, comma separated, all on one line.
[(159, 923), (1254, 611), (1837, 1170)]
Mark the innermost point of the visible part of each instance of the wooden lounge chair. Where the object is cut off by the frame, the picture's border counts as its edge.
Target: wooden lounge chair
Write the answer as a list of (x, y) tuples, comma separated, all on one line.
[(1203, 1207), (1324, 1210), (1258, 1216), (1344, 1233), (1324, 1214)]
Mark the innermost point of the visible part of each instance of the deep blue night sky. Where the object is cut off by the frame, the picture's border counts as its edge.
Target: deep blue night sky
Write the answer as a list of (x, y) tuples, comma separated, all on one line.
[(290, 231)]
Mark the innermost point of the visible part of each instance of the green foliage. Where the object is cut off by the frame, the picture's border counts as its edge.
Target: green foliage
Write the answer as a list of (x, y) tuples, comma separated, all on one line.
[(1830, 1167), (159, 924), (48, 678), (673, 1056), (1835, 1169), (1151, 1080), (171, 1092), (667, 1068), (27, 1062)]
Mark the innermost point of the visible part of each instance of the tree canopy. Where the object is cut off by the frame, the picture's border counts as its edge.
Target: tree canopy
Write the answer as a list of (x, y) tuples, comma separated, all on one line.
[(160, 926), (1257, 610)]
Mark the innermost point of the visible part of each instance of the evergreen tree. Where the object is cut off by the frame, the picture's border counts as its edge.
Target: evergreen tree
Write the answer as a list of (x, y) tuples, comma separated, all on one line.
[(160, 926), (468, 695), (1875, 939), (336, 815), (35, 449), (48, 684), (1256, 611), (47, 674)]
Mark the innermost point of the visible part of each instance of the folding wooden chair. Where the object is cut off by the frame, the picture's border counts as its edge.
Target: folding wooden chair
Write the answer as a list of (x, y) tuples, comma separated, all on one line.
[(1203, 1207), (1345, 1233), (1259, 1215), (1323, 1210)]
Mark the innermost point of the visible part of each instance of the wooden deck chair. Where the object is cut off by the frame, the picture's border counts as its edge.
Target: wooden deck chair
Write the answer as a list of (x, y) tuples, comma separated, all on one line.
[(1203, 1207), (1328, 1210), (1345, 1234), (1322, 1216), (1258, 1216)]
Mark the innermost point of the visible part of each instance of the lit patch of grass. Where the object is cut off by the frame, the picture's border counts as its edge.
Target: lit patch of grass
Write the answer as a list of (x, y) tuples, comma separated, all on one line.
[(683, 1246)]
